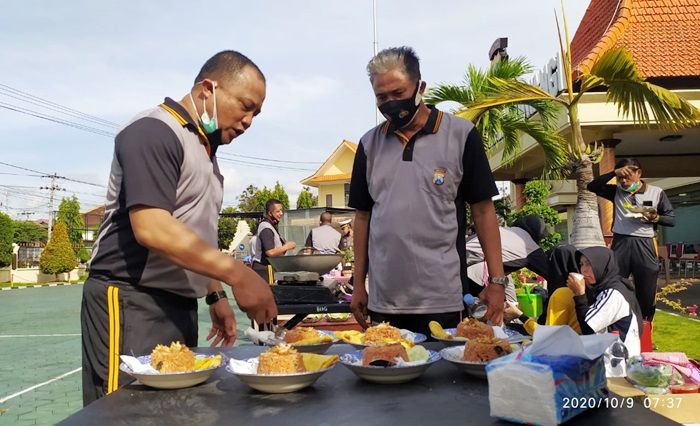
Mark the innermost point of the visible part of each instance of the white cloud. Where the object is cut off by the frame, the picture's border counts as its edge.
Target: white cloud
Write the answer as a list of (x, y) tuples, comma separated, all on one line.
[(290, 99)]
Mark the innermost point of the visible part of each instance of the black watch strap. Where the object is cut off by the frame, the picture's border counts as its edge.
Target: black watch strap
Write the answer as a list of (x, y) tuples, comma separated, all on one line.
[(215, 296)]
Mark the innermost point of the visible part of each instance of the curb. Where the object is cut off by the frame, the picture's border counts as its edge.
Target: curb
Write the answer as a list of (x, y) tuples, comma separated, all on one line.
[(22, 287), (678, 315)]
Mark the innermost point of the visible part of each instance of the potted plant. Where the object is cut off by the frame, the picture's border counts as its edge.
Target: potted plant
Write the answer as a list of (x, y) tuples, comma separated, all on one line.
[(348, 260)]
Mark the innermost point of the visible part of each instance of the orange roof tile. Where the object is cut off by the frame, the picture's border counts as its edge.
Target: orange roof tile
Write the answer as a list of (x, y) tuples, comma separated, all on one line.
[(662, 35)]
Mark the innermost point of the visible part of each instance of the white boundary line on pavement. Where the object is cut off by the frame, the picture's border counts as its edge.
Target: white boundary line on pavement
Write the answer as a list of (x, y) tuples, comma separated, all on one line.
[(22, 287), (37, 335), (31, 388), (679, 316)]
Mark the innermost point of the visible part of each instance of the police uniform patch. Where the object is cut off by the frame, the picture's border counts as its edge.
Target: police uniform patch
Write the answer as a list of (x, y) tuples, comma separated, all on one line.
[(439, 176)]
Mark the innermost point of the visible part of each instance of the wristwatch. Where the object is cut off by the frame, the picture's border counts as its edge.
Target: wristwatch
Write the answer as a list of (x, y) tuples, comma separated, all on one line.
[(502, 281), (215, 296)]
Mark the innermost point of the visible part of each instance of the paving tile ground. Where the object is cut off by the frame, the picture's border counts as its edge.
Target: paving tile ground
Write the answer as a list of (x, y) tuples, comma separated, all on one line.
[(26, 361)]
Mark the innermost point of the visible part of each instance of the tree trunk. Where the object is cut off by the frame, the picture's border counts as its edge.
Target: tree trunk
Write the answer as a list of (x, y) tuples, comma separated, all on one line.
[(587, 230)]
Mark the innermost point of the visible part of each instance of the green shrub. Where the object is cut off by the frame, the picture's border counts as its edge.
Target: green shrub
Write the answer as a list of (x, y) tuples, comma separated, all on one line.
[(7, 232), (83, 255), (536, 193), (58, 256)]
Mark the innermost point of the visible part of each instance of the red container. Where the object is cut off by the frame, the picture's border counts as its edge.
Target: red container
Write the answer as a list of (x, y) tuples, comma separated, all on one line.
[(646, 343)]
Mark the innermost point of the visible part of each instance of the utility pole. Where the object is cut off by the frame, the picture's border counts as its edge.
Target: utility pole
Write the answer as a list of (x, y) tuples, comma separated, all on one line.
[(375, 49), (53, 188)]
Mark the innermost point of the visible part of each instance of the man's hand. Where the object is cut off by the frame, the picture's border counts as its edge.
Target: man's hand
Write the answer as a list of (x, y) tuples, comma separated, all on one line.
[(625, 172), (253, 295), (652, 217), (358, 306), (493, 296), (290, 245), (223, 324)]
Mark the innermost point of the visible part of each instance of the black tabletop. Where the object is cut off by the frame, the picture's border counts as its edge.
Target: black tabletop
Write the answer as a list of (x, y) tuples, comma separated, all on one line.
[(443, 395)]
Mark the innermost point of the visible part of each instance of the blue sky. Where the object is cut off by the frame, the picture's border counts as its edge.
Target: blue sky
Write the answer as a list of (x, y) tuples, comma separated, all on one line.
[(112, 59)]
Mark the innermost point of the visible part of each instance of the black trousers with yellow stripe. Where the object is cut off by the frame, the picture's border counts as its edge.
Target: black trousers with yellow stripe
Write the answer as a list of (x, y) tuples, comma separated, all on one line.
[(120, 318)]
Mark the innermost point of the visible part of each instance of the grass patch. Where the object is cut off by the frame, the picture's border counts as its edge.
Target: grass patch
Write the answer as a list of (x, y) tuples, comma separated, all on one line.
[(676, 334)]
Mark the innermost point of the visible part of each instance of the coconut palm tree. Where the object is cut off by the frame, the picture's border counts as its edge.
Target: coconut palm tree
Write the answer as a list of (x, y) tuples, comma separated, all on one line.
[(615, 72), (507, 123)]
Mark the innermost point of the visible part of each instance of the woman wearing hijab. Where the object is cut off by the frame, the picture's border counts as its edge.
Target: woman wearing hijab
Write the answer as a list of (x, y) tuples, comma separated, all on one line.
[(615, 308)]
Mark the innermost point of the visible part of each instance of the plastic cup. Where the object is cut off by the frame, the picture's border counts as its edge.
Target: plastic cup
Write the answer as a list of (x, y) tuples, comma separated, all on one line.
[(577, 276)]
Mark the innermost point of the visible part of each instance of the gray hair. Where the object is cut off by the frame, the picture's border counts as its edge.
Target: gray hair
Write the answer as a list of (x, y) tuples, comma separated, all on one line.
[(404, 57)]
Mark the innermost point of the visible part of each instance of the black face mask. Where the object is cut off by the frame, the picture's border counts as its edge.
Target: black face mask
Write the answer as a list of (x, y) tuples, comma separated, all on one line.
[(400, 112)]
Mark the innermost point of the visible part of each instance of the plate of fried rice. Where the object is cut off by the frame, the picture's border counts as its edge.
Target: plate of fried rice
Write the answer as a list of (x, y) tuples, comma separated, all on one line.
[(470, 328), (473, 356), (380, 335), (171, 367), (308, 339), (388, 364), (281, 369)]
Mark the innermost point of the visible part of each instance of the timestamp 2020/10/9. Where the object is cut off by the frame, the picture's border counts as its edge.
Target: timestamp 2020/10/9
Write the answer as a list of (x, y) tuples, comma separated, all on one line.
[(650, 402)]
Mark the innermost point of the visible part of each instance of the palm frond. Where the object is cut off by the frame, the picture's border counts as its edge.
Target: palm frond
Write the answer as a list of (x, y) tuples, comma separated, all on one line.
[(553, 146), (636, 98), (507, 93), (565, 52), (448, 93), (512, 69)]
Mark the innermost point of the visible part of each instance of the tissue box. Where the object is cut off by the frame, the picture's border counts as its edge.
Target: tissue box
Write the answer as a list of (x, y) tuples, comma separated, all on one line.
[(543, 389)]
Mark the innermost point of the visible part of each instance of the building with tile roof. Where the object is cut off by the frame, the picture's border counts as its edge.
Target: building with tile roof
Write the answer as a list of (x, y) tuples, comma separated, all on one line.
[(663, 36), (333, 177)]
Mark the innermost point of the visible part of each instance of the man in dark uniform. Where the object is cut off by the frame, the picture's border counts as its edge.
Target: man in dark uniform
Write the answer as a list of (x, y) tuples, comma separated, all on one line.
[(412, 178), (269, 242), (156, 251), (639, 209)]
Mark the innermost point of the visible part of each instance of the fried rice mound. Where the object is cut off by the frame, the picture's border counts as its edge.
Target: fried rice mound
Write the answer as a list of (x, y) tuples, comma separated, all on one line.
[(484, 349), (382, 334), (300, 333), (281, 359), (387, 353), (175, 358), (471, 328)]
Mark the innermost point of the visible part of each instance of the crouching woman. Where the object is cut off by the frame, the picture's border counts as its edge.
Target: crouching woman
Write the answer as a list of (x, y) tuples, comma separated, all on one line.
[(615, 308)]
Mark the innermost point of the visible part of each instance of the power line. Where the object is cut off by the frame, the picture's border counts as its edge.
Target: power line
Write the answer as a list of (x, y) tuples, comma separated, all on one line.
[(6, 88), (268, 159), (269, 166), (54, 119), (95, 120), (49, 175)]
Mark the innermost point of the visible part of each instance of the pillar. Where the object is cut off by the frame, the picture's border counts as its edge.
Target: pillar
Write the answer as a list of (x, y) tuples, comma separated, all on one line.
[(519, 189), (605, 207)]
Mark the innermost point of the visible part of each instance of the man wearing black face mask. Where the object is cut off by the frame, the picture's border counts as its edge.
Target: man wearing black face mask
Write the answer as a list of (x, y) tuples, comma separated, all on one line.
[(156, 251), (412, 178)]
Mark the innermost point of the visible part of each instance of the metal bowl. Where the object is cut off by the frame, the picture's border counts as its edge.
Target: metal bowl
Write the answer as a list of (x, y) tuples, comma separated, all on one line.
[(319, 263)]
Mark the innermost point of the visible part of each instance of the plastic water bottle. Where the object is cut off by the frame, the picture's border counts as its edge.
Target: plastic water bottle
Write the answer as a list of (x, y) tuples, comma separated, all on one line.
[(615, 358), (475, 308)]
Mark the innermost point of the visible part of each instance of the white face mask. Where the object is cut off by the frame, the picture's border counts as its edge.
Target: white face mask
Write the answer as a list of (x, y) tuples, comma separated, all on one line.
[(209, 125)]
